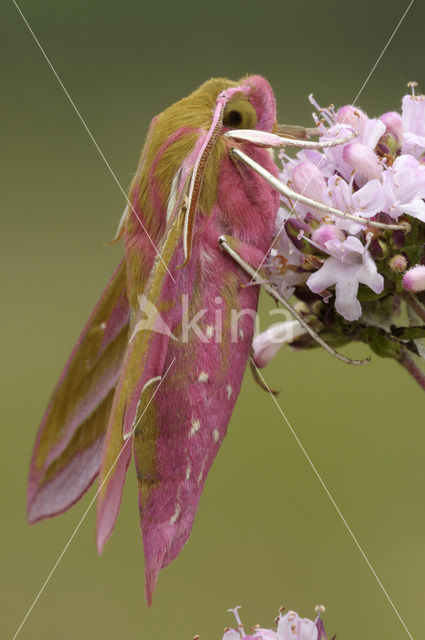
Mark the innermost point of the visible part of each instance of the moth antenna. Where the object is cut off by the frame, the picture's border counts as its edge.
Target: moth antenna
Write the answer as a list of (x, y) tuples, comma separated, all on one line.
[(265, 139), (199, 170), (276, 295), (196, 180), (289, 193)]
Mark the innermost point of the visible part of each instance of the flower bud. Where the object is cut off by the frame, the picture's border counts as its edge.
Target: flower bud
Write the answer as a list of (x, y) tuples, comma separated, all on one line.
[(327, 232), (378, 248), (398, 238), (389, 143), (296, 229), (308, 180), (398, 263), (362, 159), (317, 307), (351, 116), (414, 279), (392, 122), (268, 343)]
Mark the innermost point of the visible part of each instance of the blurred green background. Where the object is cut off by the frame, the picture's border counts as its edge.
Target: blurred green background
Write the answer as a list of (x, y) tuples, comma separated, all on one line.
[(266, 534)]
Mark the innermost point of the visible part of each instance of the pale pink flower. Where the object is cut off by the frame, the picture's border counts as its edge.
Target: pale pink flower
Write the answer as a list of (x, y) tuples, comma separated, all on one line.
[(350, 116), (404, 188), (320, 160), (289, 627), (368, 130), (267, 344), (413, 120), (414, 279), (292, 627), (393, 124), (232, 634), (363, 160), (336, 154), (378, 176), (349, 264), (287, 281), (308, 180), (365, 202), (327, 232)]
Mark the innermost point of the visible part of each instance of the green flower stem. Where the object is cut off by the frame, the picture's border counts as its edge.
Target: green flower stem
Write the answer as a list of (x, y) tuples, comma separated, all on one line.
[(413, 303), (407, 362)]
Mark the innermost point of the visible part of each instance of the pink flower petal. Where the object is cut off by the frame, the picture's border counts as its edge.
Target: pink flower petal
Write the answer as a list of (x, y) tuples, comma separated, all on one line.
[(393, 123), (267, 344), (326, 233), (308, 180), (363, 160), (414, 279)]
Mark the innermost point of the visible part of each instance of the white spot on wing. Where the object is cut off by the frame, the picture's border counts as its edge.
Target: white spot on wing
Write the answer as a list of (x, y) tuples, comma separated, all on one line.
[(203, 376), (201, 473), (103, 325), (229, 391), (241, 333), (209, 332), (188, 470), (195, 426), (175, 515), (216, 435)]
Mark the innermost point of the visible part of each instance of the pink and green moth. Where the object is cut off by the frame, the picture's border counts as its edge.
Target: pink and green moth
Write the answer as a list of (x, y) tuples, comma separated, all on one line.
[(148, 394)]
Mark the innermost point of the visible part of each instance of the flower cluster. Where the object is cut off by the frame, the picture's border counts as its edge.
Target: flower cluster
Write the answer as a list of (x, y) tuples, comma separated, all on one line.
[(352, 274), (289, 627)]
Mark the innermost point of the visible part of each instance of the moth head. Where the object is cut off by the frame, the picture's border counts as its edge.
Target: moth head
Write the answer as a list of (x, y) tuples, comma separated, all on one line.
[(261, 98), (184, 149), (253, 107), (248, 105), (239, 114)]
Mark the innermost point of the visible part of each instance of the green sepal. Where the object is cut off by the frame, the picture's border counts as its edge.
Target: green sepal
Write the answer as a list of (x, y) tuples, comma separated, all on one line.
[(381, 343), (367, 295), (301, 244), (414, 252), (408, 333)]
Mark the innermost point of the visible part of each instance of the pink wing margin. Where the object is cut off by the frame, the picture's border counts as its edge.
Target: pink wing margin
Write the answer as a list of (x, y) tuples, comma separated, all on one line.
[(68, 449)]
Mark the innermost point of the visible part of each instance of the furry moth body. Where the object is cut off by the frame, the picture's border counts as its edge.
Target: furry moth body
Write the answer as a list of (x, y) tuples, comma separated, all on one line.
[(160, 396)]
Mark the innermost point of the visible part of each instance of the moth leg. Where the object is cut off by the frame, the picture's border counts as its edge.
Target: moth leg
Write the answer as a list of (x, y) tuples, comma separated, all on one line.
[(298, 197), (266, 139), (226, 243), (296, 132), (247, 252)]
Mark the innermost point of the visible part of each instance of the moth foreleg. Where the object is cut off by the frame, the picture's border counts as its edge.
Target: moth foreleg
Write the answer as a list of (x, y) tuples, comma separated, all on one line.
[(235, 249)]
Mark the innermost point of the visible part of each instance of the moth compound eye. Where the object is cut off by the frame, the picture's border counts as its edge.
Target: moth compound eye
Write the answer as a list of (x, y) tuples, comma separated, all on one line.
[(233, 119), (240, 114)]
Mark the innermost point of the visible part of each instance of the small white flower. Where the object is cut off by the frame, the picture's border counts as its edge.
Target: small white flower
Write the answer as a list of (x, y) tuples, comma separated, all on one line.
[(349, 264)]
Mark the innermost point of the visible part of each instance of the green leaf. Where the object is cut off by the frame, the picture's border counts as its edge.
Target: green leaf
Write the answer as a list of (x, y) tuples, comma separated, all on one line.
[(381, 343)]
